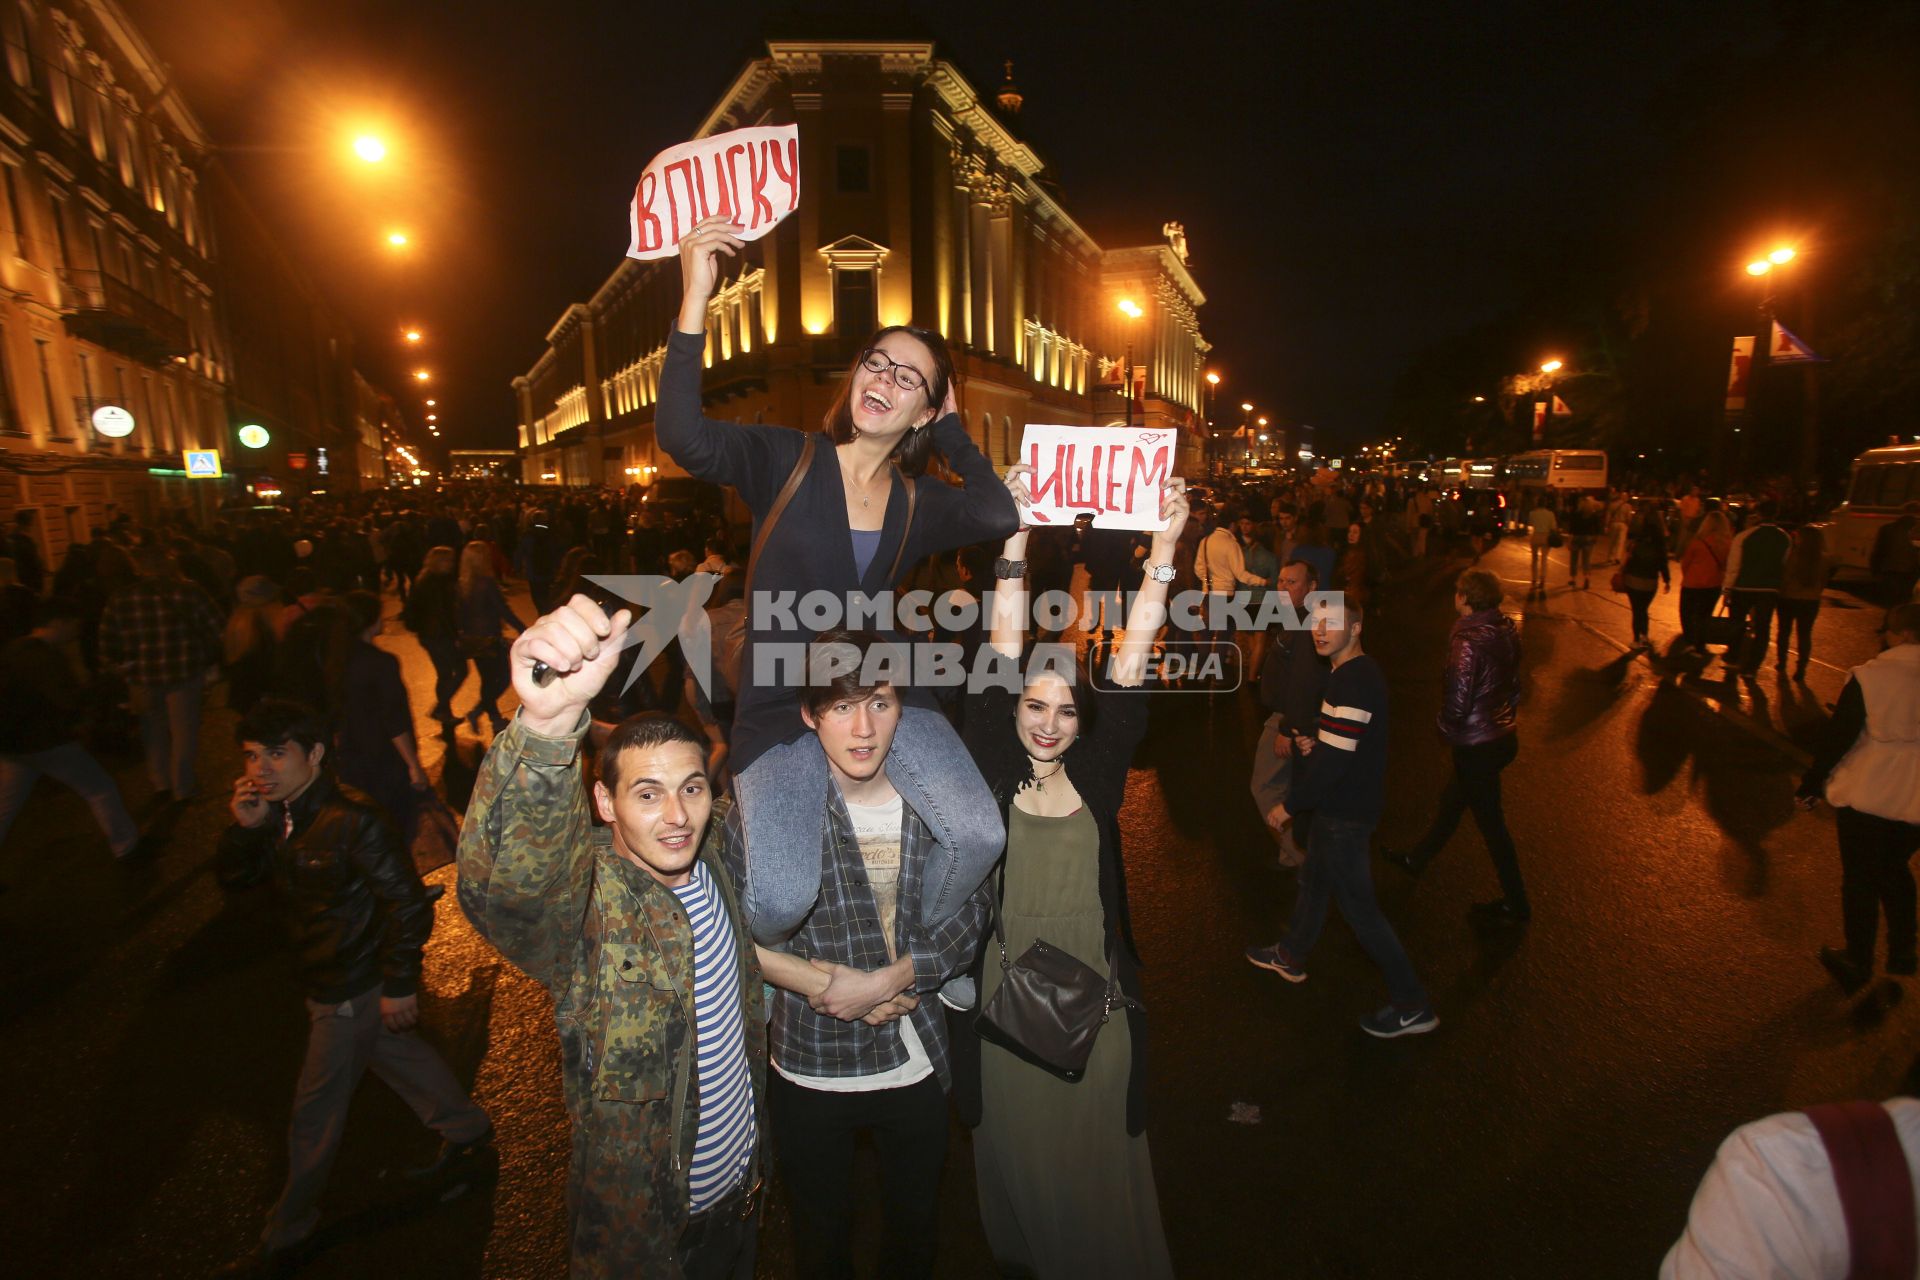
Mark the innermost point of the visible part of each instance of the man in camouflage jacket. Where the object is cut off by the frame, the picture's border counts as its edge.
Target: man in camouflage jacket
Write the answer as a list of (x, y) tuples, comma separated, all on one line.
[(599, 917)]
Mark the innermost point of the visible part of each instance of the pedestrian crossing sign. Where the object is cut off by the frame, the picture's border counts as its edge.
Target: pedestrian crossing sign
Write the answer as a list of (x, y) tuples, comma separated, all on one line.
[(203, 464)]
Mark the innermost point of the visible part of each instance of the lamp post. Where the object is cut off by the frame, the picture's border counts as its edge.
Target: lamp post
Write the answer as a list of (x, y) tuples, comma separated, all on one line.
[(1762, 270), (1548, 368), (1130, 309), (1206, 419)]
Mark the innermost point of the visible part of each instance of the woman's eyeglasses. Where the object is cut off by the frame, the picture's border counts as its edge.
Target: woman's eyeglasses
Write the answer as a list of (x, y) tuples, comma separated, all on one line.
[(905, 376)]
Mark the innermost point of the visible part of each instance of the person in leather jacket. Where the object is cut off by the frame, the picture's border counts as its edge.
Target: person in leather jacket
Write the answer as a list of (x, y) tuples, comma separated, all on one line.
[(1479, 697), (358, 918)]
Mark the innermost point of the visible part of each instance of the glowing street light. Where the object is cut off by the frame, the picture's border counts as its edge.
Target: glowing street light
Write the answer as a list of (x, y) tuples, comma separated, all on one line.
[(1213, 379), (1479, 399), (432, 403), (1551, 366), (398, 239), (370, 148), (1245, 407), (413, 335), (1131, 308), (433, 417), (421, 375), (1759, 267), (1781, 257)]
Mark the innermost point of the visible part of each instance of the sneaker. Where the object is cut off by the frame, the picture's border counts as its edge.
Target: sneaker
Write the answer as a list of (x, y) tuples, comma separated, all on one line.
[(451, 1153), (1402, 859), (1848, 972), (1392, 1021), (1275, 957), (959, 993)]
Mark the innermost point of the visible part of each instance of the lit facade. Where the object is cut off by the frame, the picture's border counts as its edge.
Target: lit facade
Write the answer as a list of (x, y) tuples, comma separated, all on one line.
[(108, 268), (920, 204)]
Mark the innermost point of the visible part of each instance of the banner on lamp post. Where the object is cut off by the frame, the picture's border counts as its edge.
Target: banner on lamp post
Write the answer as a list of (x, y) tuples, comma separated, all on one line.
[(1737, 373), (1785, 348)]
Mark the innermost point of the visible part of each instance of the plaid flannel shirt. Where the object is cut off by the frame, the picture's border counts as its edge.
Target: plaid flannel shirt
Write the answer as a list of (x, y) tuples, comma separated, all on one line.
[(844, 928), (160, 632)]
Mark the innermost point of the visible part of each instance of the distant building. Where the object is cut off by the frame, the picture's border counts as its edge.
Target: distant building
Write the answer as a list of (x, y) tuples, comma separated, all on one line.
[(118, 314), (920, 204), (109, 278), (483, 464)]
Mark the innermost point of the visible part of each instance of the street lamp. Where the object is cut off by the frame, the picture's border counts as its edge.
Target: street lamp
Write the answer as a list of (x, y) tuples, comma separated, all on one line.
[(370, 148), (398, 239), (421, 375), (413, 335), (1551, 366), (432, 403), (1206, 417), (1132, 310)]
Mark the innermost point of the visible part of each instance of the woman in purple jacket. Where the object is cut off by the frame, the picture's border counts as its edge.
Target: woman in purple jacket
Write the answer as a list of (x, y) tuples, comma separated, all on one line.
[(846, 533), (1479, 695)]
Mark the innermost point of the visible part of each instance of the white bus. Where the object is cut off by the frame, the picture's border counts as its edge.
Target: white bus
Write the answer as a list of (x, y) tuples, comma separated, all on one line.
[(1883, 481), (1558, 469)]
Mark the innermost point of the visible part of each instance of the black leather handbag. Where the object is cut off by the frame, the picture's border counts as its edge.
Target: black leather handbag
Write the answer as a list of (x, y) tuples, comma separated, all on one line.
[(1049, 1007)]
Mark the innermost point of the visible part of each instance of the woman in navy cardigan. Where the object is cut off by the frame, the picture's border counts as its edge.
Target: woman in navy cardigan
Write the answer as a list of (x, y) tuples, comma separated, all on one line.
[(845, 533)]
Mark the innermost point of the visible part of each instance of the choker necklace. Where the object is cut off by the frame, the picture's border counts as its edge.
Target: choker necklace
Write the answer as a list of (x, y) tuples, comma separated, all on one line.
[(1040, 784)]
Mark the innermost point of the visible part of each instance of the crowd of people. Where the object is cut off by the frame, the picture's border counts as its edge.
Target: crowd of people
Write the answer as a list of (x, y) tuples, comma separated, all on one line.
[(773, 918)]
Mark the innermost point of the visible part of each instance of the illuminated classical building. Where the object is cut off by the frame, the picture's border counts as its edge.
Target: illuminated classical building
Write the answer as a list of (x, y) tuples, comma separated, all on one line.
[(116, 299), (107, 265), (920, 203)]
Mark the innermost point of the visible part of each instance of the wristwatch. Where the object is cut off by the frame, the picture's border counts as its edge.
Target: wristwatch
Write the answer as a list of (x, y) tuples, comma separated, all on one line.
[(1159, 572), (1005, 568)]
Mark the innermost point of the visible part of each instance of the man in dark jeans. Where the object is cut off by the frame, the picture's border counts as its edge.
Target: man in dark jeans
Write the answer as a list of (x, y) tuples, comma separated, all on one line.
[(1343, 782), (859, 1035), (1477, 704), (358, 919)]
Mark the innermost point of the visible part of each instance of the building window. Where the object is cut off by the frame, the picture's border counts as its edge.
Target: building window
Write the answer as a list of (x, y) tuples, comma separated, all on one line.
[(60, 84), (46, 389), (58, 207), (9, 418), (855, 308), (18, 33), (853, 168), (16, 223)]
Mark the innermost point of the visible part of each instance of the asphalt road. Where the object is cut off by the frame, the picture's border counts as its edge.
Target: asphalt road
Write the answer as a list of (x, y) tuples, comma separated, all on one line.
[(1555, 1125)]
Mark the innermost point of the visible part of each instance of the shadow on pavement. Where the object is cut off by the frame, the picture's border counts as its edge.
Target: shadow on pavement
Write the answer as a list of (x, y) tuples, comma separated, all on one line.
[(1674, 732)]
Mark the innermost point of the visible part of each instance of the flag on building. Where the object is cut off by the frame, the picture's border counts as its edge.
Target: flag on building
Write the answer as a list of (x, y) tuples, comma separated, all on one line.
[(1787, 349), (1737, 374)]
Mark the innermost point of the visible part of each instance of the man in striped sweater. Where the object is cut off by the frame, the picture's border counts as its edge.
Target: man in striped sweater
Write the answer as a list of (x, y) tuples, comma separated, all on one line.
[(636, 931), (1342, 782)]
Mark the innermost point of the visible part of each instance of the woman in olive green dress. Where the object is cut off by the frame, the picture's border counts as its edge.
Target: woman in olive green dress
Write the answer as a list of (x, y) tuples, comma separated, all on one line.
[(1064, 1175)]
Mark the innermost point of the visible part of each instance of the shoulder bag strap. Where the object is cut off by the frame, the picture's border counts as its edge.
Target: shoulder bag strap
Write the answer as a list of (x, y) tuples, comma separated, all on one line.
[(780, 502), (913, 497), (1876, 1188)]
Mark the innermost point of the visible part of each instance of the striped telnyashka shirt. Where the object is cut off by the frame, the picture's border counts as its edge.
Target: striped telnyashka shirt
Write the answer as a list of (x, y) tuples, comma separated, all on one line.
[(724, 1143)]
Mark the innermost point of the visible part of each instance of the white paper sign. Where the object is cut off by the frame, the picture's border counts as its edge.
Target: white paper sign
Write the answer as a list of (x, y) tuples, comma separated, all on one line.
[(752, 175), (1113, 472)]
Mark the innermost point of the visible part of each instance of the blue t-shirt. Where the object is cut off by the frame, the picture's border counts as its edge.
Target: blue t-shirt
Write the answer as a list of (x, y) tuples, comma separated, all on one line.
[(865, 543)]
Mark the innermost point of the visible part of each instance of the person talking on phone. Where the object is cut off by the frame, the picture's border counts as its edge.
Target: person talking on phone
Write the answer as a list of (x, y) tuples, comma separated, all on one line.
[(358, 919)]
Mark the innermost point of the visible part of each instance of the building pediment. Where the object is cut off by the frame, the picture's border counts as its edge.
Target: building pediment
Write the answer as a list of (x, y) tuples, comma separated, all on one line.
[(854, 251)]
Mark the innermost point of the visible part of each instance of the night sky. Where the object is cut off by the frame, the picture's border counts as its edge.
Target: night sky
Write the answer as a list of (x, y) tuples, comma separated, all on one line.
[(1356, 181)]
